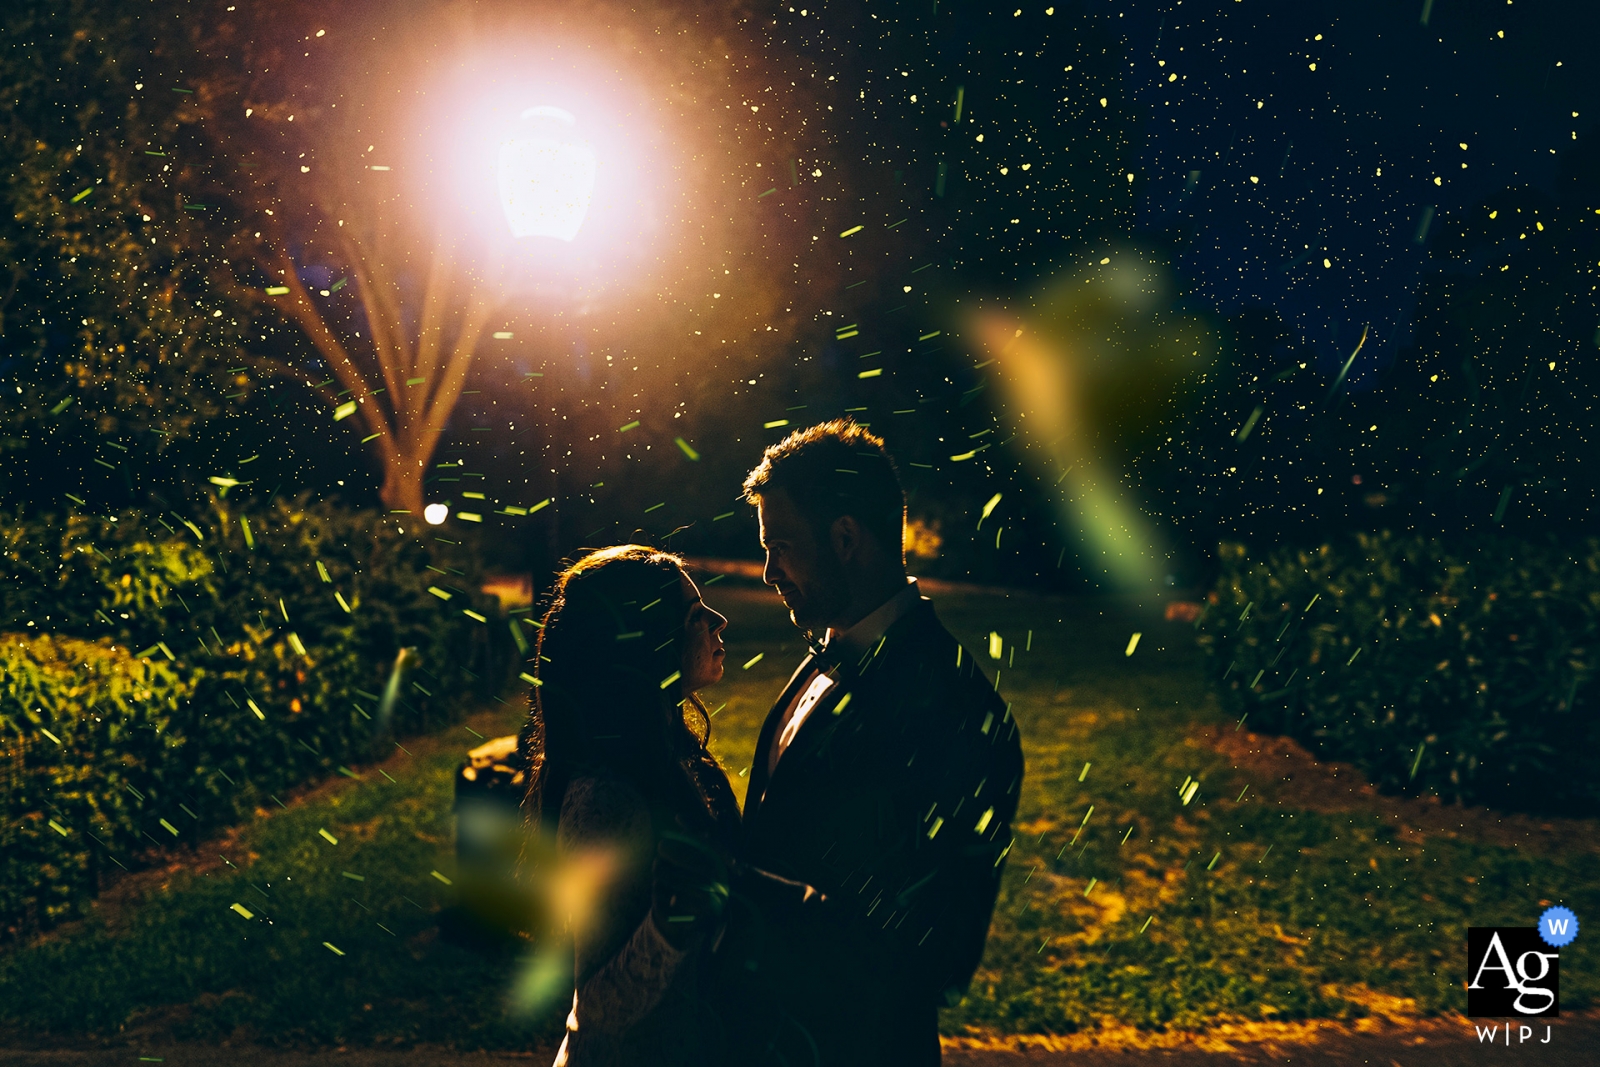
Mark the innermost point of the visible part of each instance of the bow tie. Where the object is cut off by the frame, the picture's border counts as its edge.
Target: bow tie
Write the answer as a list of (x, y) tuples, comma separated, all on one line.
[(823, 657), (827, 659)]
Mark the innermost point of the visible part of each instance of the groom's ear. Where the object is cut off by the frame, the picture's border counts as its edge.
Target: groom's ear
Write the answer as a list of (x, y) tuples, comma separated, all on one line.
[(845, 535)]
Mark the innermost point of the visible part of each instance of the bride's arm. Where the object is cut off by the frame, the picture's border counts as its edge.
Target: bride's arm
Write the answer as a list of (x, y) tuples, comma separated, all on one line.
[(617, 984)]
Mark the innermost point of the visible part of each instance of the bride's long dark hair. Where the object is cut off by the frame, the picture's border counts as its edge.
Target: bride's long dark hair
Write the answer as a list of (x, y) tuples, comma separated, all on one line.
[(610, 697)]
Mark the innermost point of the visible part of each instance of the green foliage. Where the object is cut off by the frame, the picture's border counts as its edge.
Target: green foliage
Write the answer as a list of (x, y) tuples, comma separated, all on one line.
[(81, 721), (1461, 672), (106, 308), (279, 683)]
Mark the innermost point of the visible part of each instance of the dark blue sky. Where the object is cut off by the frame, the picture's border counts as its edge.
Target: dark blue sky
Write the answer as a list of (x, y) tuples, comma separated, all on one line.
[(1388, 94)]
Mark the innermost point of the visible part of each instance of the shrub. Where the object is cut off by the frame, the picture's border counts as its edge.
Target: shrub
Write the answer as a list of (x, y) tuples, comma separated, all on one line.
[(1465, 672), (282, 629), (84, 722)]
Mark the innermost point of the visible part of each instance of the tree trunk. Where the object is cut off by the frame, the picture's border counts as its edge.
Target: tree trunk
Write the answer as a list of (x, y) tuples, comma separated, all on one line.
[(402, 482), (423, 372)]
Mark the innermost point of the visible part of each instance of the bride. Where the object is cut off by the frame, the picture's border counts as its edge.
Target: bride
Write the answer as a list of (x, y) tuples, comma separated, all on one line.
[(617, 767)]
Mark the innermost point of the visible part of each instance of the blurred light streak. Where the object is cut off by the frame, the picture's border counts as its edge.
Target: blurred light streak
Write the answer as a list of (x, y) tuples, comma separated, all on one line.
[(566, 889), (1084, 374)]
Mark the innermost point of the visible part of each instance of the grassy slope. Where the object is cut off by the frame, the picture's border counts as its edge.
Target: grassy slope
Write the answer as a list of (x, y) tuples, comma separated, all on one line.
[(176, 958), (1340, 909), (1340, 914)]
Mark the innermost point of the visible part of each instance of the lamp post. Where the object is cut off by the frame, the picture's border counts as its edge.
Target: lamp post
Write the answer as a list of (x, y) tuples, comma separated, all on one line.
[(546, 176)]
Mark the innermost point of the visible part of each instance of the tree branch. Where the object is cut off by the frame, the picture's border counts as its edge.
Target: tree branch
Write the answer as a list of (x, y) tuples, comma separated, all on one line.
[(429, 336), (373, 288), (296, 305), (479, 307)]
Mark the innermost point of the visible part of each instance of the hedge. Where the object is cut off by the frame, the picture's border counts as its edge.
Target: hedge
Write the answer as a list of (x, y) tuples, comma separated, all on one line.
[(89, 721), (1466, 672), (266, 637)]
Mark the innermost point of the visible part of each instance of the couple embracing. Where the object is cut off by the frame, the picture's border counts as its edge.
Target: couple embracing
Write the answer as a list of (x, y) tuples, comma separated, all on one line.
[(825, 924)]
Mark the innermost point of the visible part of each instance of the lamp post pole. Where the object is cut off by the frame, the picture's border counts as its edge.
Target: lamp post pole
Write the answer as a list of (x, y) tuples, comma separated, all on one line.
[(545, 175)]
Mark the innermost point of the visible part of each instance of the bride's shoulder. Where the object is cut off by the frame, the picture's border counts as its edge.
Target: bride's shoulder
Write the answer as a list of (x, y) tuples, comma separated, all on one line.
[(602, 807)]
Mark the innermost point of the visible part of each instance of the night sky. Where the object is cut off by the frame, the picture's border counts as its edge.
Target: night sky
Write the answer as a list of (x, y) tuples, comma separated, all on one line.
[(847, 182), (1346, 113)]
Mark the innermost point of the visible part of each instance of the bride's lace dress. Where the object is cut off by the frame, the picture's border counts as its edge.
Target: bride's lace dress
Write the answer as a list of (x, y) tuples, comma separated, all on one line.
[(637, 1000)]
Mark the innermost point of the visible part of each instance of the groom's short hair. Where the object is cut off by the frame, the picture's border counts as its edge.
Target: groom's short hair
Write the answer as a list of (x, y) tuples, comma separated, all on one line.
[(833, 469)]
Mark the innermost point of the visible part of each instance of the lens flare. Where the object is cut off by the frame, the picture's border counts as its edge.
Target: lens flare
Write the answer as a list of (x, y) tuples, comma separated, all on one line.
[(570, 890), (391, 692), (1086, 374)]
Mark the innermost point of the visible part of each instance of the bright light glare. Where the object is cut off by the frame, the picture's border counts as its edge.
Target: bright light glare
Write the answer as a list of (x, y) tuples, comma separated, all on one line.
[(435, 514), (473, 161), (546, 177)]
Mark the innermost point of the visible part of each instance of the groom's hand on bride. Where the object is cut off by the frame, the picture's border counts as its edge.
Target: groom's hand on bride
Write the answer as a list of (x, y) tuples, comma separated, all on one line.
[(689, 891), (773, 891), (772, 924)]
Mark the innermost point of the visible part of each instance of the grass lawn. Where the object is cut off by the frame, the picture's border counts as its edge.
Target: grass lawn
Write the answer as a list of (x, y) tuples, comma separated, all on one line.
[(1281, 890)]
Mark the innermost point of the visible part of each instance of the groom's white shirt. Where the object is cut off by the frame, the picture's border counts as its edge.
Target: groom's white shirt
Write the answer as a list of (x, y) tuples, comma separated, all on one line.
[(857, 640)]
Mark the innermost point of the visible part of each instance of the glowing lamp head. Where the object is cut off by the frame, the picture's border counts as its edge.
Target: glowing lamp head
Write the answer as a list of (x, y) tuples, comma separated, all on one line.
[(546, 176), (435, 513)]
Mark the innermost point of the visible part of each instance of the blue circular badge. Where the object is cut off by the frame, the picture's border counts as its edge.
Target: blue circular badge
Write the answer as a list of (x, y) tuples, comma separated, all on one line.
[(1558, 926)]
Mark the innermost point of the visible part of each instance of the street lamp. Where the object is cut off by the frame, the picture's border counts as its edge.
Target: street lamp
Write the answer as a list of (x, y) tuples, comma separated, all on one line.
[(546, 176)]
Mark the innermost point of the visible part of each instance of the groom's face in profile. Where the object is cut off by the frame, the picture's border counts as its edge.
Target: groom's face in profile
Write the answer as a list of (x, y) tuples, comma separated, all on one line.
[(803, 568)]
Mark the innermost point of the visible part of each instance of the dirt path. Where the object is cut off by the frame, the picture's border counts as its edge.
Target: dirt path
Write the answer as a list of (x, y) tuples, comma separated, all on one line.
[(1574, 1041), (1446, 1042), (1291, 776)]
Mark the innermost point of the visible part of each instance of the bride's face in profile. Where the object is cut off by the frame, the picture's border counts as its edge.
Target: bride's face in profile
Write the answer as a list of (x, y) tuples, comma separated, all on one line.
[(702, 651)]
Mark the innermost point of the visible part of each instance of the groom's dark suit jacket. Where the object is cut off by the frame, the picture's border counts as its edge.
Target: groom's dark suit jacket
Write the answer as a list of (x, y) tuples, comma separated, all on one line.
[(895, 799)]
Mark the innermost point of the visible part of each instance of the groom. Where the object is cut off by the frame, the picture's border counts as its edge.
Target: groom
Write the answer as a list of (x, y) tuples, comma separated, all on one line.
[(885, 778)]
